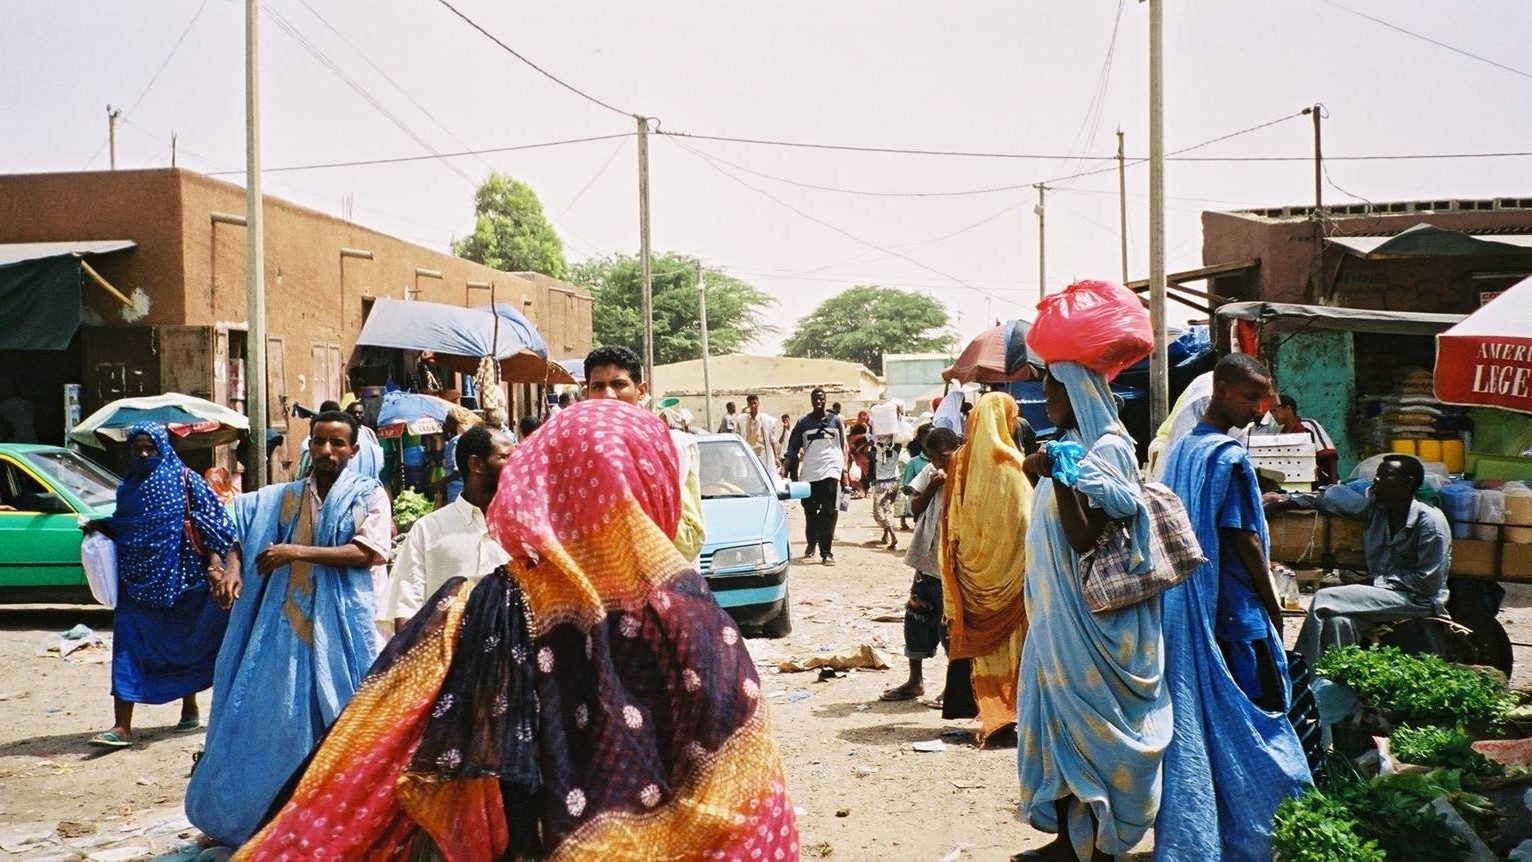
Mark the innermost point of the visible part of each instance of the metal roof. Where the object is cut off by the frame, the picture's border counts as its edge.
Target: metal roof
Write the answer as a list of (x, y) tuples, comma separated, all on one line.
[(20, 252)]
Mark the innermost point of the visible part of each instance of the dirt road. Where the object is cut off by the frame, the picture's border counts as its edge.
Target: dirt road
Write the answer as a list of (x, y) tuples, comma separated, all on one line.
[(863, 790)]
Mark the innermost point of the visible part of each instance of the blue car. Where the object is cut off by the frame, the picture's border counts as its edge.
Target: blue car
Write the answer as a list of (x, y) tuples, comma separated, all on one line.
[(745, 556)]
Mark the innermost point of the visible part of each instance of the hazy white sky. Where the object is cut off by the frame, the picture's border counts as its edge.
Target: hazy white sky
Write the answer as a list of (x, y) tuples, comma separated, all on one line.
[(347, 81)]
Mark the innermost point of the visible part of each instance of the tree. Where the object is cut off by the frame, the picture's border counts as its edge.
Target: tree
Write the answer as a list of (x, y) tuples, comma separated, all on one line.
[(865, 322), (510, 232), (616, 285)]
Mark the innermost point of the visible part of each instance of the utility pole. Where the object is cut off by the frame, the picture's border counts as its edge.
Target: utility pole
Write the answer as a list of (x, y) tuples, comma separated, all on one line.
[(1159, 369), (112, 115), (172, 149), (643, 248), (1122, 204), (707, 377), (255, 259), (1042, 244), (1319, 163)]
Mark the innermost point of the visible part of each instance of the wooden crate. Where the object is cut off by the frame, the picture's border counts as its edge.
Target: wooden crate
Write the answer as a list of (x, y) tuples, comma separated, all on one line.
[(1473, 558), (1292, 455)]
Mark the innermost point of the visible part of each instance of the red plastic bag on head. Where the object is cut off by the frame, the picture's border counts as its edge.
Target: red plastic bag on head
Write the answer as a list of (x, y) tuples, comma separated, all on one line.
[(1099, 324)]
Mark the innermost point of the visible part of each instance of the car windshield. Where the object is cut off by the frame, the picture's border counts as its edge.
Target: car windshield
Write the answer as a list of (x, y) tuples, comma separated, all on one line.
[(728, 468), (94, 486)]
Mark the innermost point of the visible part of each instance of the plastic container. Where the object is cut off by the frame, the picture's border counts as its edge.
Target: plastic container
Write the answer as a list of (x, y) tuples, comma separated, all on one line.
[(1430, 450), (1460, 502), (1518, 511), (1405, 445), (1453, 455), (885, 418), (1491, 514)]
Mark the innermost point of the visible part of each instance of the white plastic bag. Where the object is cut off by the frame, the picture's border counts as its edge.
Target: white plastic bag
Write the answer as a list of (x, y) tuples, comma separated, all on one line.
[(98, 554)]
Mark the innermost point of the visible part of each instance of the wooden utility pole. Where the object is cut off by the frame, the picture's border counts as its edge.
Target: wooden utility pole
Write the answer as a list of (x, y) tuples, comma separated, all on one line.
[(1319, 162), (112, 115), (1159, 368), (255, 260), (1042, 244), (707, 376), (645, 262), (1122, 205)]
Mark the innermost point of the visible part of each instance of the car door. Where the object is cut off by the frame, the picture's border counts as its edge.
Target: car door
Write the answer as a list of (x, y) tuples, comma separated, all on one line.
[(38, 548)]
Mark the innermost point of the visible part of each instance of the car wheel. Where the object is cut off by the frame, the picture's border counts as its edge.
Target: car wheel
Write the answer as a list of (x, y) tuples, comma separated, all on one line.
[(781, 625)]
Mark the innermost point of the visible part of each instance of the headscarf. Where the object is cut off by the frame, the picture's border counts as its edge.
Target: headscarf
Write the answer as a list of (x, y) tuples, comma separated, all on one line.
[(223, 486), (565, 494), (1111, 485), (155, 559)]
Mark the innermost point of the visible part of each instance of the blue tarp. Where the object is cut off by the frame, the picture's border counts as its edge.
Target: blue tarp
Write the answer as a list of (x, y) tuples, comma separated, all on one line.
[(449, 330)]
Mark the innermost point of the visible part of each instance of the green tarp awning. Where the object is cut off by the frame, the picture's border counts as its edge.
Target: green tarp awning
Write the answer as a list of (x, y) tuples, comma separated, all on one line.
[(40, 301)]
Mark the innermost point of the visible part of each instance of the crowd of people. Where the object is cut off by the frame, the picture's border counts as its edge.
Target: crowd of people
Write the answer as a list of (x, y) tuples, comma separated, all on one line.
[(541, 671)]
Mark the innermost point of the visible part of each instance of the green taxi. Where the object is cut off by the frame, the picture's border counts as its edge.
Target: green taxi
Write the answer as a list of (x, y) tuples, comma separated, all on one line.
[(45, 491)]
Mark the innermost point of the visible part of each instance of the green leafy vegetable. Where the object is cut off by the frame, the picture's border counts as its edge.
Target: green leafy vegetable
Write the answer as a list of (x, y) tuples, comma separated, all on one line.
[(410, 507), (1441, 746), (1422, 689), (1315, 827)]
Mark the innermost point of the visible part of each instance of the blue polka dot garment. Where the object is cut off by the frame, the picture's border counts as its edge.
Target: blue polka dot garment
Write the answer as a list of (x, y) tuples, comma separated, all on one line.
[(156, 563)]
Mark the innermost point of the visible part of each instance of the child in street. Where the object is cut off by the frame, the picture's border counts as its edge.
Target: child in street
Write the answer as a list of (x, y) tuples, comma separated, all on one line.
[(910, 464), (923, 610), (885, 488)]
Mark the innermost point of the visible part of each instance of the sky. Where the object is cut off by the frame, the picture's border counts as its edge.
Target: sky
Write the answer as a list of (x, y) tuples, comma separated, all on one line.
[(407, 81)]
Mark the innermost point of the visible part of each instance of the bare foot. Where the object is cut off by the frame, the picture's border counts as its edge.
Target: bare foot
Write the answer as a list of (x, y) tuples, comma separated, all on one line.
[(908, 691)]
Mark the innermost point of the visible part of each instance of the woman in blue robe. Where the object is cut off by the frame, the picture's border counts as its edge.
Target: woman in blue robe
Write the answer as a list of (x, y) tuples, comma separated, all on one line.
[(167, 628), (1093, 714)]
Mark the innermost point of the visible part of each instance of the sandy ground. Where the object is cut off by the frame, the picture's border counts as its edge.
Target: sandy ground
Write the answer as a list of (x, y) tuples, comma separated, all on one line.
[(863, 790)]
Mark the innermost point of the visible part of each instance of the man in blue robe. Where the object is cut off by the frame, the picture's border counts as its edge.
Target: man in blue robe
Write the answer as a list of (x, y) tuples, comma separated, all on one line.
[(1233, 757), (301, 633)]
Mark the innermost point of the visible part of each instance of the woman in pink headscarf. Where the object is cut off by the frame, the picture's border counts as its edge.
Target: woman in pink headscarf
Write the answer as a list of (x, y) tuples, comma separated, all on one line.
[(590, 700)]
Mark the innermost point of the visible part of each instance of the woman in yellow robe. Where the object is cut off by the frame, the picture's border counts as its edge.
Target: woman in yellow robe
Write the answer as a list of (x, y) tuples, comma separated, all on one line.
[(983, 559)]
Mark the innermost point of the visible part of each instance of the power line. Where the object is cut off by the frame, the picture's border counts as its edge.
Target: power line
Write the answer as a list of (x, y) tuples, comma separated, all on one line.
[(376, 68), (839, 230), (536, 68), (324, 60), (400, 159), (1454, 49), (156, 76), (621, 145)]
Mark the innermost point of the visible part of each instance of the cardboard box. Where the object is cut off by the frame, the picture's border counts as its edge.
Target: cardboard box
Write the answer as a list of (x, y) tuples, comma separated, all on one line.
[(1297, 537), (1515, 563), (1471, 557)]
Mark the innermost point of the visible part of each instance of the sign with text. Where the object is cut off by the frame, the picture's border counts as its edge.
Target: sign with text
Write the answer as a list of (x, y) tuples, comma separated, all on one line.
[(1485, 370)]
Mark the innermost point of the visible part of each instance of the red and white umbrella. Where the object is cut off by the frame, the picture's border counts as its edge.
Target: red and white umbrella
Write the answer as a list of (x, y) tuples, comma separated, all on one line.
[(1486, 359)]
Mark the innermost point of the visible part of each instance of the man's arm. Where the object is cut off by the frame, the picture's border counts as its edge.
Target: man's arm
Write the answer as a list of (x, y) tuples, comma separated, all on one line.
[(794, 444), (367, 549), (1247, 545), (1433, 557), (406, 584)]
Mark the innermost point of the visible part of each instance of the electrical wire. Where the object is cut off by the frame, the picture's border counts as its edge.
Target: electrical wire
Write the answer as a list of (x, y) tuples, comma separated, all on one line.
[(621, 145), (536, 68), (400, 159), (376, 68), (822, 223), (155, 77), (1454, 49), (324, 59), (1092, 121)]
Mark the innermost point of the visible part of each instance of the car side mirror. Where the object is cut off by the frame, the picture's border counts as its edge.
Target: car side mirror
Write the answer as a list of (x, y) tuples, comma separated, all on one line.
[(795, 491)]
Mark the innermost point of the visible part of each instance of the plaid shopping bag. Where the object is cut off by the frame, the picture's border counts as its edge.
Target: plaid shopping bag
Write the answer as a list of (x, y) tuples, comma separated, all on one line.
[(1105, 579)]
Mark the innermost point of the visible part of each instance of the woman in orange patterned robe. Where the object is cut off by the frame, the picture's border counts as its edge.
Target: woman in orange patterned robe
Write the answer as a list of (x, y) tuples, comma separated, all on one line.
[(588, 701)]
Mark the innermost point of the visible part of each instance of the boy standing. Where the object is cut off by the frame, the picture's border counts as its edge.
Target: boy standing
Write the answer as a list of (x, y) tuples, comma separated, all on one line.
[(923, 610)]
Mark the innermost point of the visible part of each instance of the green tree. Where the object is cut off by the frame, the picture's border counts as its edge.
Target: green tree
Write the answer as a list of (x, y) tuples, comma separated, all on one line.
[(510, 232), (865, 322), (734, 308)]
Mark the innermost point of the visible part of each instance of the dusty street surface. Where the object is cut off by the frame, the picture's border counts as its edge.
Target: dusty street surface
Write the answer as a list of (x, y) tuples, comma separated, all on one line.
[(863, 791)]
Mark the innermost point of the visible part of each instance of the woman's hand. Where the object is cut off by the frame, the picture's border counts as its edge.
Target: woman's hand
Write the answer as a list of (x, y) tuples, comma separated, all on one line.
[(224, 579), (1035, 466)]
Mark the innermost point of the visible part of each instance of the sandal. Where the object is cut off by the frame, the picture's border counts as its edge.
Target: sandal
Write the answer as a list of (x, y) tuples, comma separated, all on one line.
[(108, 739), (188, 725), (902, 693)]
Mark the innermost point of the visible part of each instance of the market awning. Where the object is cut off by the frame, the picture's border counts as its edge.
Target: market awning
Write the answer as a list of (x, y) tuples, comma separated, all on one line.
[(1295, 316), (1486, 361), (40, 300), (460, 337), (1426, 240)]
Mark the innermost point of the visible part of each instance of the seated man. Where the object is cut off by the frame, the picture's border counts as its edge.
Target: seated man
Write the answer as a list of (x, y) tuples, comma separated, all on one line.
[(1408, 548)]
